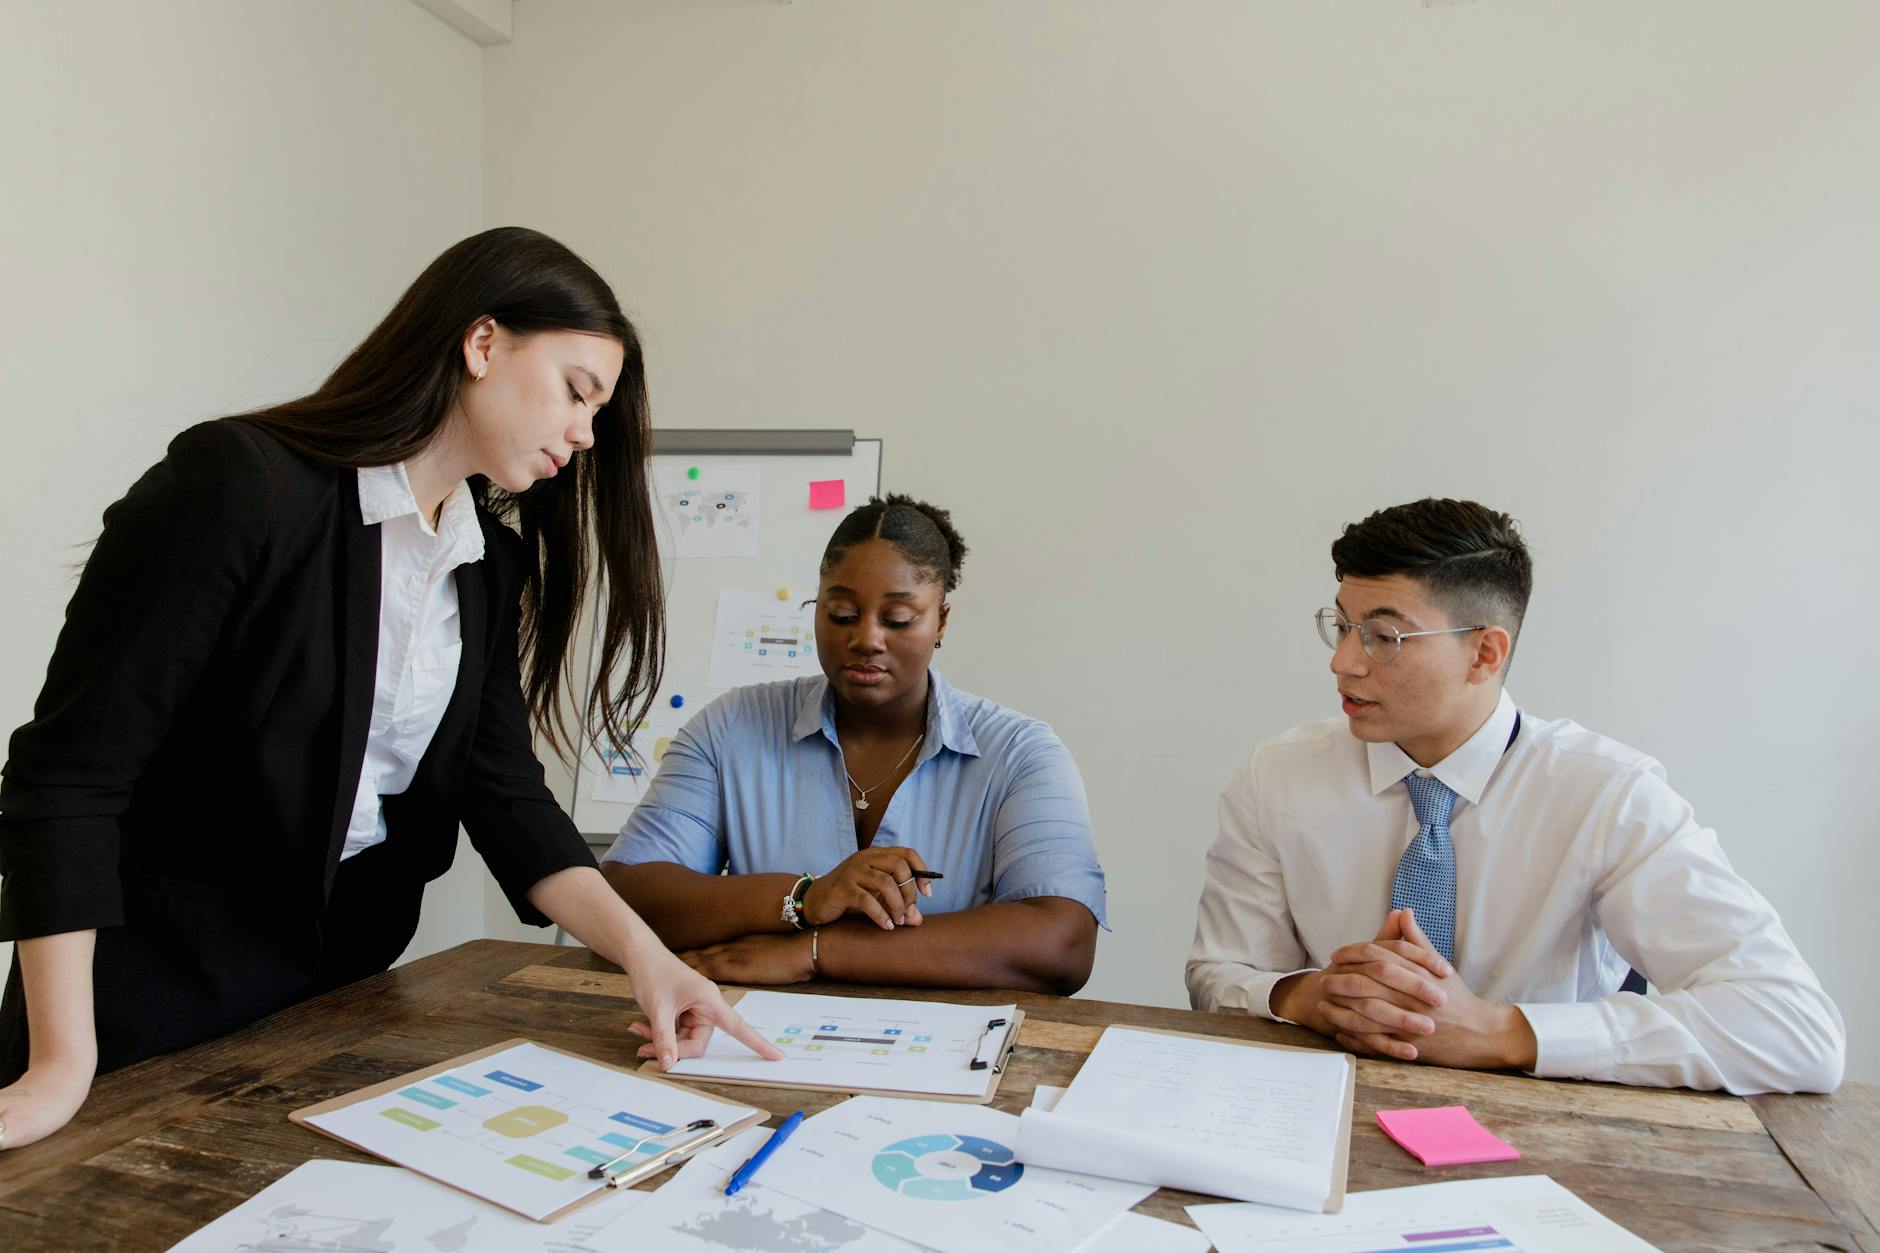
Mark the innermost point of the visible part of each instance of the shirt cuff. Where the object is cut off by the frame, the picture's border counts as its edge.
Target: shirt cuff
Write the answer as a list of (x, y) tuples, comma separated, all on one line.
[(1251, 992), (617, 851), (1571, 1040), (518, 859), (1072, 886), (1268, 1000), (58, 875)]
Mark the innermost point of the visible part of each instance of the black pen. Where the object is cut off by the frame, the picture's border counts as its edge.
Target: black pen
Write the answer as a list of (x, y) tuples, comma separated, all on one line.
[(926, 874)]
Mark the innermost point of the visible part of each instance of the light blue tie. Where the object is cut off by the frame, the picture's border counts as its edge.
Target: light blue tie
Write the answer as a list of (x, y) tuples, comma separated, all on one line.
[(1426, 877)]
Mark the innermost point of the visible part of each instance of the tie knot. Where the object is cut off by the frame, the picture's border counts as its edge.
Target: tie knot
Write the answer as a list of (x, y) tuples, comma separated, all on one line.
[(1431, 798)]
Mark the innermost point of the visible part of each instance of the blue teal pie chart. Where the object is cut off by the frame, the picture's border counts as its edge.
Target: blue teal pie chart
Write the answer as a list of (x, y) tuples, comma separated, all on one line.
[(947, 1168)]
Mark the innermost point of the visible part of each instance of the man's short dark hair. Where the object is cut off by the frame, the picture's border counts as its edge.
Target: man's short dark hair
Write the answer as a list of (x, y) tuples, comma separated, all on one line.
[(1470, 559)]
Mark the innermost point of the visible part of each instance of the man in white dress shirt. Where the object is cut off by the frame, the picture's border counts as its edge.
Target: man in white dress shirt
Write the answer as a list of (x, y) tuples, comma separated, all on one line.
[(1440, 876)]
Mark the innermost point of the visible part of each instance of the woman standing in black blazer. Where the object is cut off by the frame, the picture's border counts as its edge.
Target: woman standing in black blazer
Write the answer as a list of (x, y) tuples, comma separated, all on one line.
[(306, 648)]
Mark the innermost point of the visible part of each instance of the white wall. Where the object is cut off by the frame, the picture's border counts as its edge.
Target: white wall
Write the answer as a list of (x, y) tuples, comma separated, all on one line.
[(203, 206), (1156, 296)]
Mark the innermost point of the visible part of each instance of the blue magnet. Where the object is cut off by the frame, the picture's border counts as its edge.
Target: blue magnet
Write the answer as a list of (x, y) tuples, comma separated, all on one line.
[(678, 702)]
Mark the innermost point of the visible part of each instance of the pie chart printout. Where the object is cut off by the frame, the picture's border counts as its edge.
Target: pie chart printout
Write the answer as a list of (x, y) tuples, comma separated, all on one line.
[(947, 1167)]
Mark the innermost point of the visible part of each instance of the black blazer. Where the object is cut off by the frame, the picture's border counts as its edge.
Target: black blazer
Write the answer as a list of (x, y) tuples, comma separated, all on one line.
[(186, 781)]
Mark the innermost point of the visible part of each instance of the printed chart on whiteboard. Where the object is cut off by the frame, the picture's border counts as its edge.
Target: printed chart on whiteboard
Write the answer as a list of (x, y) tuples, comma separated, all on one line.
[(759, 639), (710, 510), (624, 774)]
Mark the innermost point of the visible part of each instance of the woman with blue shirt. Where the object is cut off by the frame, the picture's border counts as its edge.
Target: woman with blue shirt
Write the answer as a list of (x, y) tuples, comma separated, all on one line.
[(832, 800)]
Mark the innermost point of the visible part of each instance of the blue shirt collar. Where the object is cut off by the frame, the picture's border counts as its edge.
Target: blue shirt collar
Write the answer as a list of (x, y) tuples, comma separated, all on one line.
[(946, 723)]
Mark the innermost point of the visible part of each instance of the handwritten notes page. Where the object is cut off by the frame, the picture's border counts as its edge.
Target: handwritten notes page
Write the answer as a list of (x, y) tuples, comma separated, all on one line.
[(1226, 1119)]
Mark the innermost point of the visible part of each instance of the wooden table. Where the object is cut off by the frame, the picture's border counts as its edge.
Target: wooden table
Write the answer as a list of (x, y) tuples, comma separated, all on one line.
[(163, 1147)]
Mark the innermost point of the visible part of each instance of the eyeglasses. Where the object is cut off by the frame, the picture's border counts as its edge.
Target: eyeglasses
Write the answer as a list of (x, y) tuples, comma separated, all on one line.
[(1380, 640)]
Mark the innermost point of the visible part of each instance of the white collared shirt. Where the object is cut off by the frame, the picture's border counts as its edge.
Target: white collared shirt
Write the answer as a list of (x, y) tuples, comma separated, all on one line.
[(1574, 861), (420, 636)]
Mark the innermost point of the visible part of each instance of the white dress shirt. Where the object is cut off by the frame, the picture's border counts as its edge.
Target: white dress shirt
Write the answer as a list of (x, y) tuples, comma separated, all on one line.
[(1574, 860), (420, 636)]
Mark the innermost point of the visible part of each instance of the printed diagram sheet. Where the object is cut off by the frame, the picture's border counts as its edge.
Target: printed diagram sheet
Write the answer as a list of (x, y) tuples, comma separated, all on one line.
[(857, 1042), (691, 1214), (944, 1175), (348, 1207), (713, 514), (523, 1126), (623, 778), (759, 639), (1518, 1214)]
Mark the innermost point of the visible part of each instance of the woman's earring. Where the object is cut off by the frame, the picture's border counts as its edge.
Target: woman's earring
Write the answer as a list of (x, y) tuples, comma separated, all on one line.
[(939, 643)]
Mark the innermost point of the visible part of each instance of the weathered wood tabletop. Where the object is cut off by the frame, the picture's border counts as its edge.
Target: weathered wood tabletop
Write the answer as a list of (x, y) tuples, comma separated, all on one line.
[(163, 1147)]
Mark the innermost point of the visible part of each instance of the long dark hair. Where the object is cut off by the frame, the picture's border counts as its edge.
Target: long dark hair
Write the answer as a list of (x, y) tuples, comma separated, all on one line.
[(389, 397)]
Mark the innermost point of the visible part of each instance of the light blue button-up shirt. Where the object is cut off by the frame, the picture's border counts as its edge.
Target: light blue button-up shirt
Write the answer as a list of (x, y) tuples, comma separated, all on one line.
[(755, 784)]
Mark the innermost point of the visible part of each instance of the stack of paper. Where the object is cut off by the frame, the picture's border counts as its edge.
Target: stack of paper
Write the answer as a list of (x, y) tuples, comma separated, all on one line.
[(1213, 1116)]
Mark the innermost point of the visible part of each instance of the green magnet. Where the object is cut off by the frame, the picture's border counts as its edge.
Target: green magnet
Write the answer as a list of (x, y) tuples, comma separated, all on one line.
[(692, 473)]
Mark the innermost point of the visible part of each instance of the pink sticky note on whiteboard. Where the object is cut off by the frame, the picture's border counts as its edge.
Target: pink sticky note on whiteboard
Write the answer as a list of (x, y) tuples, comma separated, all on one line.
[(828, 493), (1445, 1136)]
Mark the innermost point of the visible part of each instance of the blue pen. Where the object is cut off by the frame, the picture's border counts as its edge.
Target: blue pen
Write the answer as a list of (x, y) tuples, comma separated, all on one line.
[(744, 1172)]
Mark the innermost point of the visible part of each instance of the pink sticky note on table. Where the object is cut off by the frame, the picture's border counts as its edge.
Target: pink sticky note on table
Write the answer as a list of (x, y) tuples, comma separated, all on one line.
[(1445, 1136), (828, 493)]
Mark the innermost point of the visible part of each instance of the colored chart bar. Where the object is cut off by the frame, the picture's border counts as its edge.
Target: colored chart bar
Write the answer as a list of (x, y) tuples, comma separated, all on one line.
[(536, 1166), (642, 1124), (1419, 1236), (459, 1085), (513, 1081), (428, 1098), (581, 1153), (1466, 1246), (417, 1122)]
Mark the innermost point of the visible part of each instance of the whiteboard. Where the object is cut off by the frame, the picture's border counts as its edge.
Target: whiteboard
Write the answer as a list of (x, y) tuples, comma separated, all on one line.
[(748, 508)]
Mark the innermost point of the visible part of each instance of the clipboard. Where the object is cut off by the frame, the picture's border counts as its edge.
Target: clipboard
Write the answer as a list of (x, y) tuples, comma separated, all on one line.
[(997, 1056), (601, 1188)]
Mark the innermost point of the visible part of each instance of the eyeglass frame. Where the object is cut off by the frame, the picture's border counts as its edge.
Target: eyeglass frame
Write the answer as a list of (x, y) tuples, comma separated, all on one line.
[(1395, 636)]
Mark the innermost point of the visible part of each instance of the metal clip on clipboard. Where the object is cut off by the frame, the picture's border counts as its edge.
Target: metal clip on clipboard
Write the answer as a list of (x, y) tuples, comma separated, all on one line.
[(659, 1161), (1001, 1050)]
